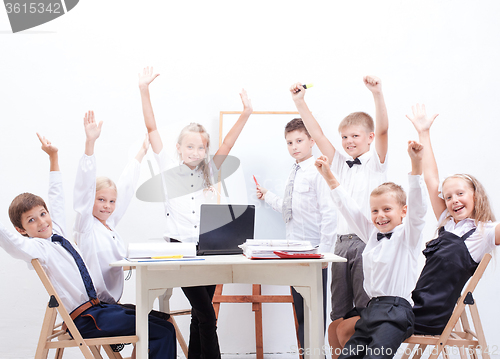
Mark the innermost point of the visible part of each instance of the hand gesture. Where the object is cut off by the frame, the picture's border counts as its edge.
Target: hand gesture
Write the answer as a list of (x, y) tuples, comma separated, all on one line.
[(47, 146), (247, 104), (323, 167), (143, 150), (261, 192), (92, 130), (373, 83), (147, 76), (415, 150), (298, 91), (420, 119)]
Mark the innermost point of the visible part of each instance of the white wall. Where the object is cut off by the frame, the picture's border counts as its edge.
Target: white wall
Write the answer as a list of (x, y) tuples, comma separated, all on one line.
[(442, 53)]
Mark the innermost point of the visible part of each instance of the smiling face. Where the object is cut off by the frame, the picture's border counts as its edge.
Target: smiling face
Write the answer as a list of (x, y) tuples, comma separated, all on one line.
[(459, 198), (386, 211), (36, 223), (192, 149), (104, 204), (356, 140), (299, 145)]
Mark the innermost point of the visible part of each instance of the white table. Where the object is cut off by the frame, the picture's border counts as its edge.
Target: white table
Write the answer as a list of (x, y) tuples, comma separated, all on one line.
[(153, 278)]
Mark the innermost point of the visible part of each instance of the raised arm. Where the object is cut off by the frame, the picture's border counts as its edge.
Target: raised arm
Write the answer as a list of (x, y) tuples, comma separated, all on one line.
[(52, 151), (422, 124), (345, 204), (374, 84), (143, 150), (92, 132), (325, 146), (235, 131), (415, 151), (145, 79)]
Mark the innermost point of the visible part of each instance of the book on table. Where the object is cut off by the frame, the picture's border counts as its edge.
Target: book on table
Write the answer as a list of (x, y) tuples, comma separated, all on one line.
[(265, 248)]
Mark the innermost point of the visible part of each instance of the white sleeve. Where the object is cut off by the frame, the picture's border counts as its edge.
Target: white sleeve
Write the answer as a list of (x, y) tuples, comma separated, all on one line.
[(274, 201), (125, 190), (352, 214), (417, 208), (56, 203), (20, 247), (328, 212), (84, 194)]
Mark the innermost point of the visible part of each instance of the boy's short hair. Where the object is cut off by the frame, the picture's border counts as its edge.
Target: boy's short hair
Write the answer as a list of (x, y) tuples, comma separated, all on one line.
[(390, 187), (21, 204), (358, 119), (296, 125)]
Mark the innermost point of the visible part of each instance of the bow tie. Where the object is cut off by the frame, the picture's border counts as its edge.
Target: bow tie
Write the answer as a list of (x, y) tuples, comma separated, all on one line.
[(382, 235), (352, 163)]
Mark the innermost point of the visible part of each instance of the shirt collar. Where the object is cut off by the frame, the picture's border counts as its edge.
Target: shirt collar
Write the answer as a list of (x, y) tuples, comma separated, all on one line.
[(306, 163)]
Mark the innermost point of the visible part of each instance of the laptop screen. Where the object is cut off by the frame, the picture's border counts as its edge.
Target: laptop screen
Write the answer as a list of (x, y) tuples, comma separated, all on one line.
[(225, 226)]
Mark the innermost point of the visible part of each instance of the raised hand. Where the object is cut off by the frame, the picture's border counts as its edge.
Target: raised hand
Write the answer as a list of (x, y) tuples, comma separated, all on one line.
[(92, 129), (420, 120), (298, 91), (415, 150), (373, 83), (247, 104), (147, 76), (47, 146)]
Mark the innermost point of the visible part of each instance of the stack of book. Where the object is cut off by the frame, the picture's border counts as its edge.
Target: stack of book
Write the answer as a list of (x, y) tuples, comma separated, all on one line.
[(265, 248), (138, 252)]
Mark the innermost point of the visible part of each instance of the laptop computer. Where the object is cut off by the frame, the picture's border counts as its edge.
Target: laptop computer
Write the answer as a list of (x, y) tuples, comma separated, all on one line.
[(225, 226)]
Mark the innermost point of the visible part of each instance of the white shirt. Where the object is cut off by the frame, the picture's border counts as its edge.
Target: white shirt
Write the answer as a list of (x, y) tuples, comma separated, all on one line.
[(390, 265), (58, 263), (314, 217), (99, 245), (480, 242), (359, 181), (184, 193)]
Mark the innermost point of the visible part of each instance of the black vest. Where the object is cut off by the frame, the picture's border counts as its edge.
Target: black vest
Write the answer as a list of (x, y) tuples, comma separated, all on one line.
[(448, 266)]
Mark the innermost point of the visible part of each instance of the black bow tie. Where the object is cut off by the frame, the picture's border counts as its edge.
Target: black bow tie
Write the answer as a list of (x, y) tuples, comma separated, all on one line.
[(382, 235), (352, 163)]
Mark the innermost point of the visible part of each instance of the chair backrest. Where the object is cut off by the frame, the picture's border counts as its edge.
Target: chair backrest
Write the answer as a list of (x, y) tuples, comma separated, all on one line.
[(88, 347)]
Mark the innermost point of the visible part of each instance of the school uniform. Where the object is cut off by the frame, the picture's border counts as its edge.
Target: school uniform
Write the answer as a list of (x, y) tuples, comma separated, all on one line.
[(451, 260), (314, 219), (185, 192), (98, 244), (390, 267), (359, 178), (62, 270)]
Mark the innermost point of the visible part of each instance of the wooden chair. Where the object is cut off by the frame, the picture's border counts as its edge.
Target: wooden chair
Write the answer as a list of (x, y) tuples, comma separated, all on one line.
[(256, 299), (90, 348), (458, 332)]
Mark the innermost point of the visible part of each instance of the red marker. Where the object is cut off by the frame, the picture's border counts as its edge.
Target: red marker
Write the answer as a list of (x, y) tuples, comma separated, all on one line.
[(255, 179)]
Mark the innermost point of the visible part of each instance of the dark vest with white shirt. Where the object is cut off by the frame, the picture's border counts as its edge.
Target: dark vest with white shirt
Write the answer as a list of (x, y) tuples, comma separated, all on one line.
[(448, 266)]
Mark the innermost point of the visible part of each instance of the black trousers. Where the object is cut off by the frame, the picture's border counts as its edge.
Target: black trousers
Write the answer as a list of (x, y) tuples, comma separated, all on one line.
[(299, 306), (384, 325), (203, 340)]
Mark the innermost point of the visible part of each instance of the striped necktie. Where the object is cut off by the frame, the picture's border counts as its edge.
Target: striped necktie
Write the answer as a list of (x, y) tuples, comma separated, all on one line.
[(287, 200), (87, 281)]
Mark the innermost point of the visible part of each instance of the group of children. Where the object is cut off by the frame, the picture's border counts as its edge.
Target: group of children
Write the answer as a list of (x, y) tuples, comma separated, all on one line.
[(378, 297)]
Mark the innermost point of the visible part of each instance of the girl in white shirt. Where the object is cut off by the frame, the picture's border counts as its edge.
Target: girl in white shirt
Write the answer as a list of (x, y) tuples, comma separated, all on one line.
[(466, 234), (186, 187), (100, 204)]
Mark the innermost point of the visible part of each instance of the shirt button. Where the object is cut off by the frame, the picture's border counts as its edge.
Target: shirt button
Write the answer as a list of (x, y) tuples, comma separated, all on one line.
[(195, 226), (192, 197), (193, 212), (191, 174), (192, 185)]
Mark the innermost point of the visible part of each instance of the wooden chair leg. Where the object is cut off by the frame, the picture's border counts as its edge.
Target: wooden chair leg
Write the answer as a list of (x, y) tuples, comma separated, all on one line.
[(218, 291), (95, 351), (59, 353), (257, 309), (47, 326), (180, 337)]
